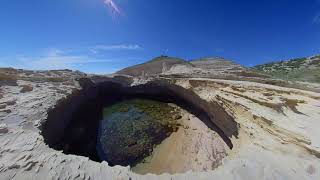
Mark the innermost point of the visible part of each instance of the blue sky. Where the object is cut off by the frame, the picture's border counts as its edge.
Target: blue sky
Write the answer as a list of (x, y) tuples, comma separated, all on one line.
[(102, 36)]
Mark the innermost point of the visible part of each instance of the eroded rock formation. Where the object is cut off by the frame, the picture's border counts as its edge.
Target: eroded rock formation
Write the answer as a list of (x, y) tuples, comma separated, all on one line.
[(49, 132)]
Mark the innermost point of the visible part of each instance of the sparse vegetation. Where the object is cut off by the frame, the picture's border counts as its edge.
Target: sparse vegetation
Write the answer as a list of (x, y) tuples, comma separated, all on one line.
[(251, 74), (315, 62), (295, 63), (316, 57), (299, 69)]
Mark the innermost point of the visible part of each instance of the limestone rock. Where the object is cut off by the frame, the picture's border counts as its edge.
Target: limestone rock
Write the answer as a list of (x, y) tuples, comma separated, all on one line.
[(26, 88), (273, 129), (3, 128)]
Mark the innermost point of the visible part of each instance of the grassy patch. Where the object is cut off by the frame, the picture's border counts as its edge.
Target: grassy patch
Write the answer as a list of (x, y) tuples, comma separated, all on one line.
[(298, 69), (251, 74), (296, 63)]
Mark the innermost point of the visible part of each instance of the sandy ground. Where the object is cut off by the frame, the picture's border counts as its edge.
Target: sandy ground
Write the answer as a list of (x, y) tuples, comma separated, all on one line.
[(194, 147)]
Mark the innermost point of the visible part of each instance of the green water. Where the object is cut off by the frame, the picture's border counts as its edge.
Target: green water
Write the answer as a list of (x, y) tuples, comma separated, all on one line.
[(130, 129)]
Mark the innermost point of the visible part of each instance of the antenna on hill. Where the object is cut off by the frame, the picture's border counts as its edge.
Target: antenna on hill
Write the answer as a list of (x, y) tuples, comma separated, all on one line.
[(165, 53)]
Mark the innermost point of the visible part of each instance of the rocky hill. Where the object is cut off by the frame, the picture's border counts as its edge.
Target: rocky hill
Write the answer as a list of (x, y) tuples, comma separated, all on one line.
[(216, 64), (154, 66), (213, 67), (299, 69), (298, 73)]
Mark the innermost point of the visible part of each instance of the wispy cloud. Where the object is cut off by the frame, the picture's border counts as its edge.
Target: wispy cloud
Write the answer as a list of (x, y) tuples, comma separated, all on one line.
[(316, 19), (56, 59), (115, 10), (98, 48), (76, 59)]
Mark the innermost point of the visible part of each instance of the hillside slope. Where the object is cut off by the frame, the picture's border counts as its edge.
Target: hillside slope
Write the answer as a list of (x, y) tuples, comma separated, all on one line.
[(155, 66), (299, 69), (216, 64)]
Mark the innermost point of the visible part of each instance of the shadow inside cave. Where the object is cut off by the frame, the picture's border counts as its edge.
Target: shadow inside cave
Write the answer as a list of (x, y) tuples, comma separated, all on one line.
[(72, 125)]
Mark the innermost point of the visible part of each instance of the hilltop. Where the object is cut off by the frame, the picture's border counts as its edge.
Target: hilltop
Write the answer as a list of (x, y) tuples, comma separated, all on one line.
[(155, 66), (213, 67)]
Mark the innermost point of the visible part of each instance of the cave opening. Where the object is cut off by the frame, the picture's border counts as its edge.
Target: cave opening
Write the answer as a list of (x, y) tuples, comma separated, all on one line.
[(74, 124)]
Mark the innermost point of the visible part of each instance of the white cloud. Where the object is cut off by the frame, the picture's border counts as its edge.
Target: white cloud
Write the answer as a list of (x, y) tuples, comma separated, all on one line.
[(56, 59), (113, 7), (98, 48), (75, 59)]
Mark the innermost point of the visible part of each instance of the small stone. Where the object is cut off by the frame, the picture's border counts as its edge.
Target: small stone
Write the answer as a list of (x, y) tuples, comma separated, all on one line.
[(3, 129), (2, 106), (6, 111), (10, 103), (177, 116), (26, 88)]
